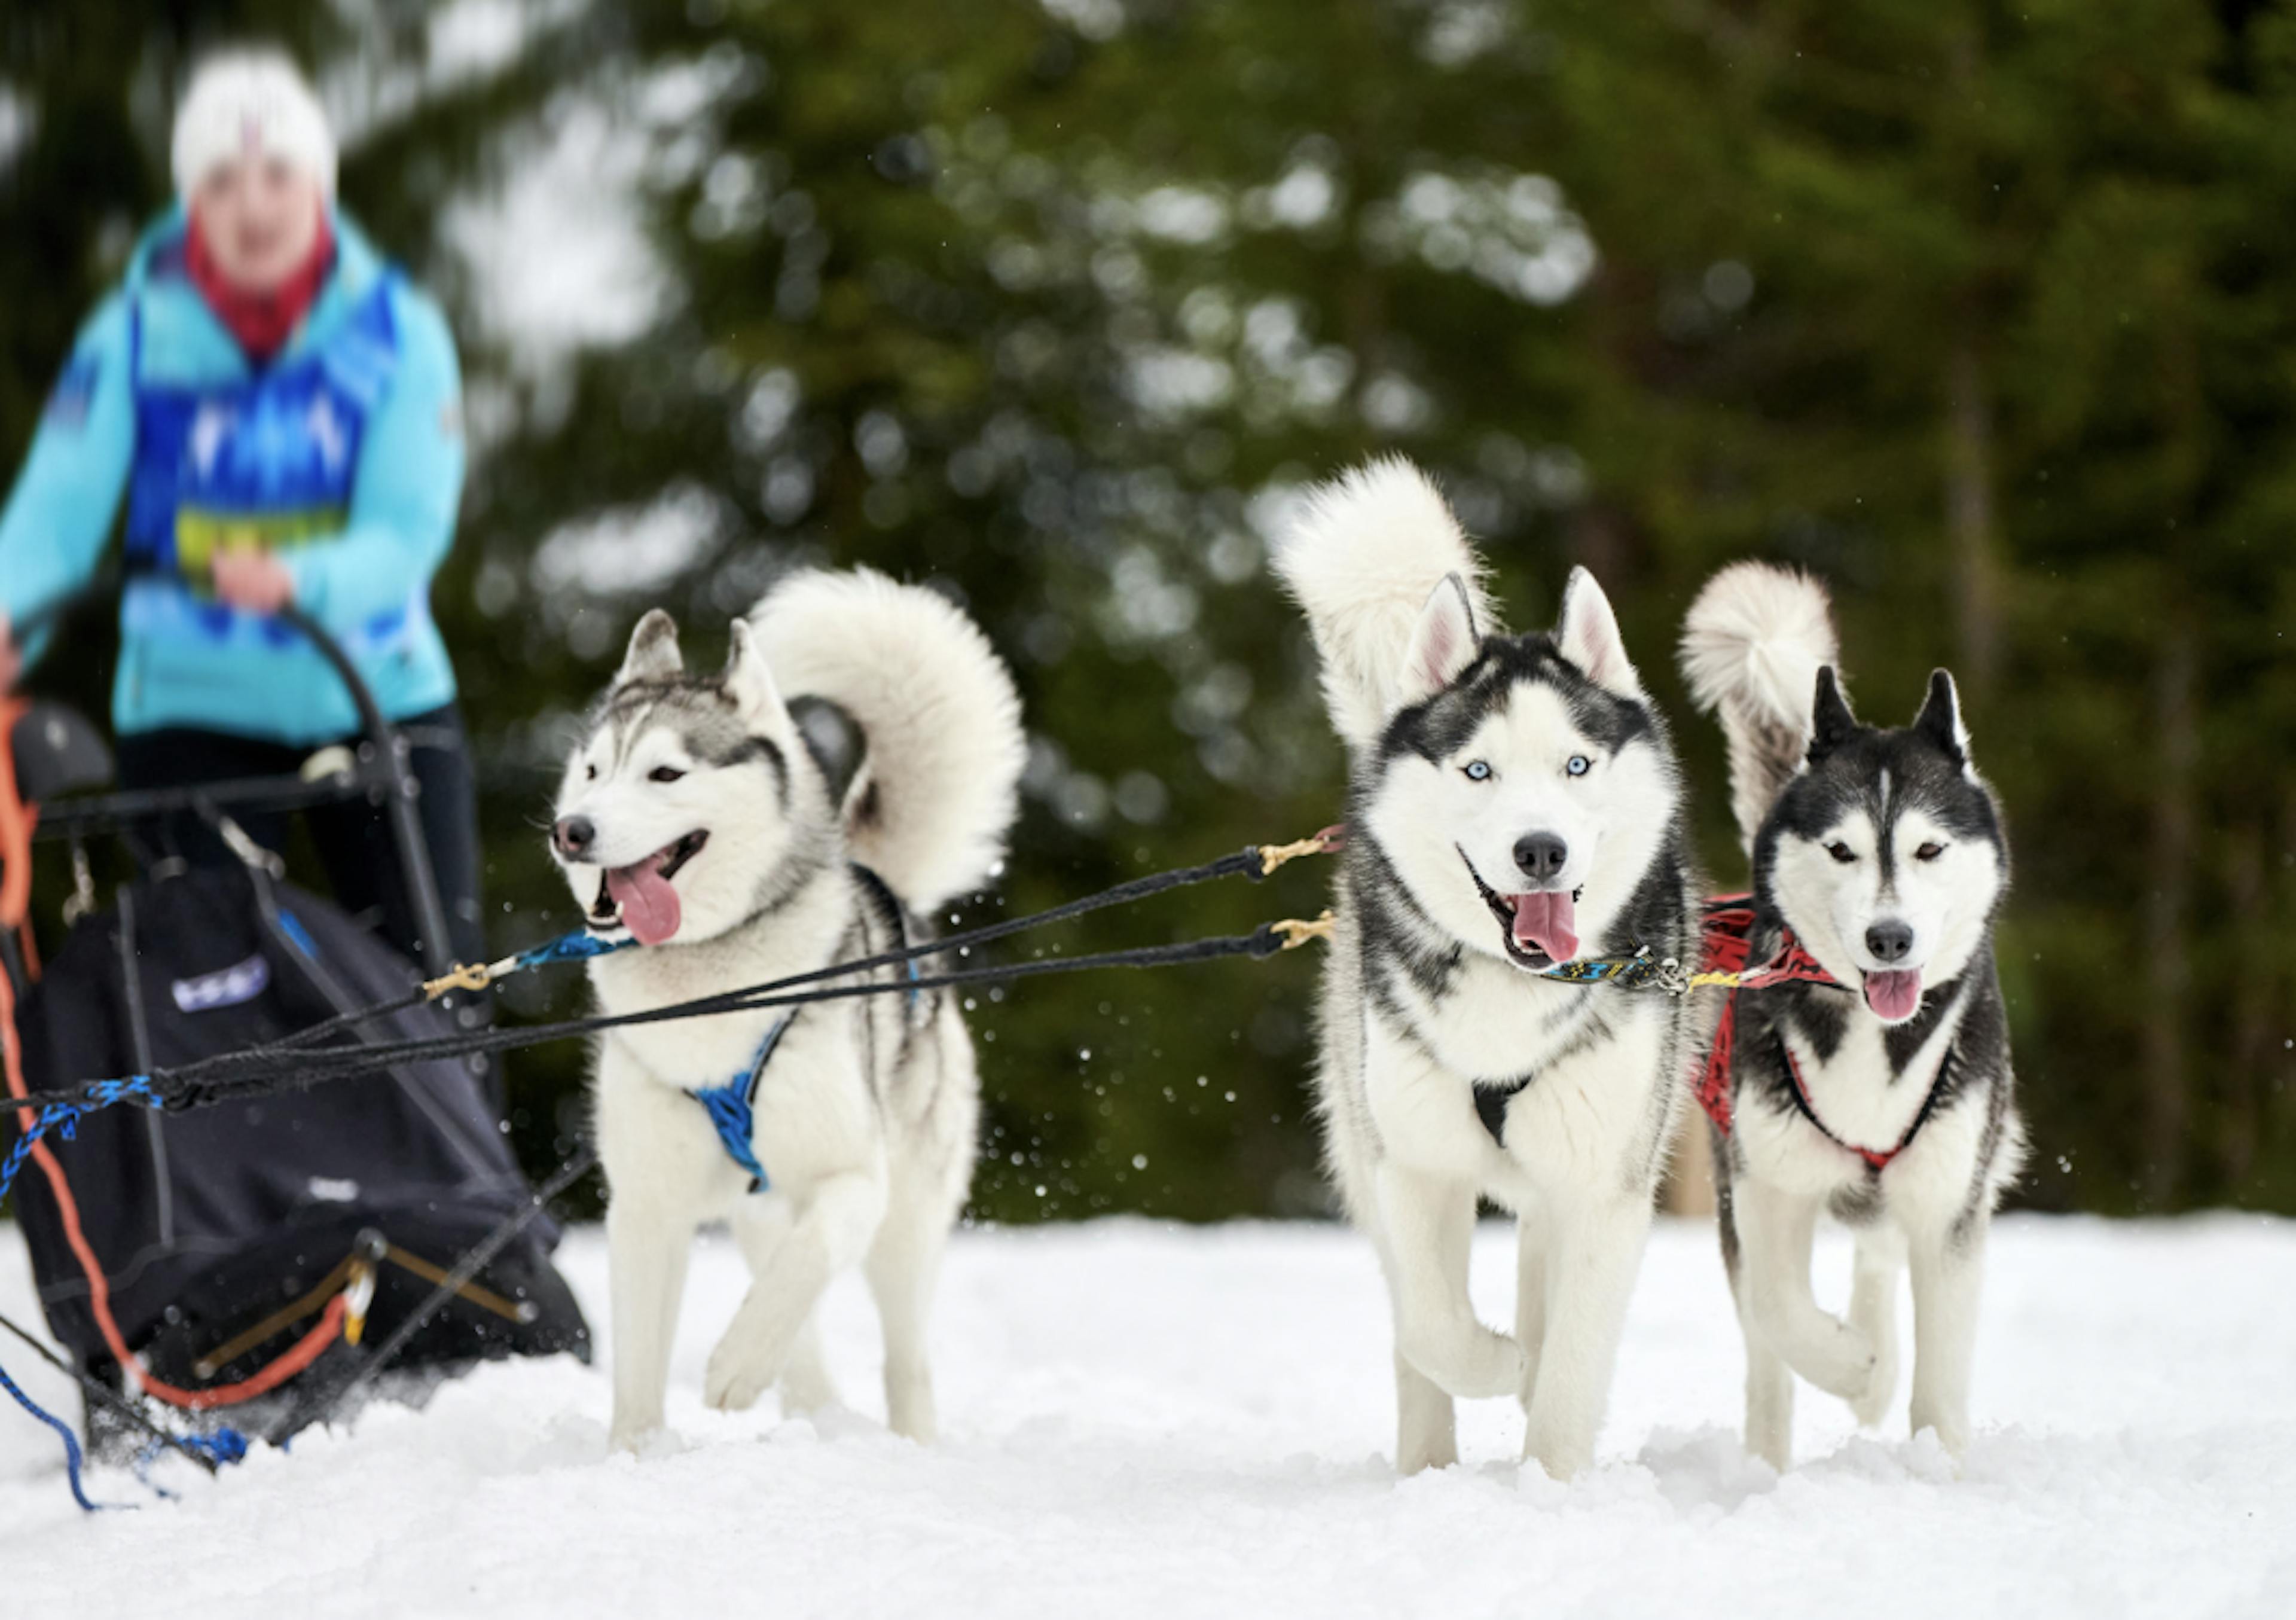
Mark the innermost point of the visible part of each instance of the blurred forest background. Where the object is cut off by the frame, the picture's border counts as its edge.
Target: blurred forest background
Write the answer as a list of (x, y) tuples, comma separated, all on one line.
[(1985, 313)]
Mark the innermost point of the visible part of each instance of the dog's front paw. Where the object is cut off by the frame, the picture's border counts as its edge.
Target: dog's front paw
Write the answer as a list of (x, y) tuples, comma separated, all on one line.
[(1951, 1428), (635, 1435), (1842, 1362), (737, 1376), (1872, 1404), (1472, 1365)]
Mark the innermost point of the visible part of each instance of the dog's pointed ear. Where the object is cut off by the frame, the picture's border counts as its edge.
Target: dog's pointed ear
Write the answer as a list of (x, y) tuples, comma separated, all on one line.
[(1587, 633), (653, 653), (747, 680), (1939, 720), (1443, 644), (1831, 723)]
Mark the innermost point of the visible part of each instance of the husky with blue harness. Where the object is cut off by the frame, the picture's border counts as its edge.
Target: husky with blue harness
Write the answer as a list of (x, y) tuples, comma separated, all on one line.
[(854, 768)]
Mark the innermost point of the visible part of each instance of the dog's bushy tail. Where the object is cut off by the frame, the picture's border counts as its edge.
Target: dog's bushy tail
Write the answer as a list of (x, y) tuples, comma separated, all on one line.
[(1370, 548), (938, 783), (1751, 647)]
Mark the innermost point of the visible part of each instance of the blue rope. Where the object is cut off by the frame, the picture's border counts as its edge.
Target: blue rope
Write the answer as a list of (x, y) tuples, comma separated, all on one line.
[(226, 1444), (578, 946), (64, 1119), (70, 1440), (733, 1110)]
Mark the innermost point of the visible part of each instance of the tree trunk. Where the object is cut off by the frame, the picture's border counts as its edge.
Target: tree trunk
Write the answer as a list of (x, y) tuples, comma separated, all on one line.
[(1969, 514), (1689, 1188), (2167, 949), (2247, 893)]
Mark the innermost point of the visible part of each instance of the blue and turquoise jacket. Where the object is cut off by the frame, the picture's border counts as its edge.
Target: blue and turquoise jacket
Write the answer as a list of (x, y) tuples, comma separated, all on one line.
[(344, 456)]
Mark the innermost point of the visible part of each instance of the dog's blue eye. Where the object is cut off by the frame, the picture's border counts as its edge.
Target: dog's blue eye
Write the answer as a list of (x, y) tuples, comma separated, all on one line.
[(1477, 771), (1579, 765), (1841, 852), (664, 773)]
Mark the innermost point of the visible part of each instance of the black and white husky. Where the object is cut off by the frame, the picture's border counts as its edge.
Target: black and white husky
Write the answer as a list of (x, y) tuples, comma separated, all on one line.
[(1884, 1096), (1515, 804), (854, 767)]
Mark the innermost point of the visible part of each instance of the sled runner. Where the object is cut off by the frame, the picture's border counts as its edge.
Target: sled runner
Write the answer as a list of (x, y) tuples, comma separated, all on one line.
[(248, 1258)]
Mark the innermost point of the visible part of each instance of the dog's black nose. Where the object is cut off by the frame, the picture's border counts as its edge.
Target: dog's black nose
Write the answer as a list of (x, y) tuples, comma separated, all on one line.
[(1540, 855), (1889, 941), (573, 835)]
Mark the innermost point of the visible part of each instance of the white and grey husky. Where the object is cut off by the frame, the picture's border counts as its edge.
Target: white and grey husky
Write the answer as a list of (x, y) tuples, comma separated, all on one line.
[(1882, 1096), (1514, 804), (854, 767)]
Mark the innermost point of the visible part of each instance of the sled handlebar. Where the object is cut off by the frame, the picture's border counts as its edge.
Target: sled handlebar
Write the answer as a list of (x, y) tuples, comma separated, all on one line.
[(392, 760)]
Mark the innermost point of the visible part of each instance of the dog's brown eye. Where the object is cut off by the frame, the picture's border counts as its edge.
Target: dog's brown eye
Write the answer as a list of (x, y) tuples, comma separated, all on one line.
[(1929, 851), (664, 773), (1841, 852), (590, 773)]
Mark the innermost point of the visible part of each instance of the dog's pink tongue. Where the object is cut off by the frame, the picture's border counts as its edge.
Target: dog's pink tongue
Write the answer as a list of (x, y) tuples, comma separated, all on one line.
[(1893, 995), (1549, 921), (648, 905)]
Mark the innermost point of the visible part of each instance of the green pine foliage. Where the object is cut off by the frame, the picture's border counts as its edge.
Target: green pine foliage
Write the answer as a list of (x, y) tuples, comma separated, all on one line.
[(1983, 314)]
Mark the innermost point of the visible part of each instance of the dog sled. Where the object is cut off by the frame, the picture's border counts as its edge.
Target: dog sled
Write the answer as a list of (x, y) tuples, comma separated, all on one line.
[(246, 1263)]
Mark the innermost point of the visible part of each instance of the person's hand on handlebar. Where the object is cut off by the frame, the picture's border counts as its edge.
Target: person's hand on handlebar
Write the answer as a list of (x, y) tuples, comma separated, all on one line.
[(253, 581)]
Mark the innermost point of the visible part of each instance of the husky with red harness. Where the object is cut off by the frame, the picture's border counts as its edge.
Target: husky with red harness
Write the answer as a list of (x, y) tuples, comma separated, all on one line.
[(1862, 1067)]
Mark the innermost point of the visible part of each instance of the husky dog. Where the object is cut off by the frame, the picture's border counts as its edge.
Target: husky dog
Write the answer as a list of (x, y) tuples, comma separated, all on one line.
[(855, 767), (1884, 1096), (1514, 804)]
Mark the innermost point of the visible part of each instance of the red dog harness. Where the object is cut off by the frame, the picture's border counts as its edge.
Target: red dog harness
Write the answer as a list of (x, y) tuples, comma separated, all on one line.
[(1725, 943)]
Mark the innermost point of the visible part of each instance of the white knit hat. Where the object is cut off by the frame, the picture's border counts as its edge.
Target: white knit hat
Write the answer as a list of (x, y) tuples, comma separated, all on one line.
[(250, 102)]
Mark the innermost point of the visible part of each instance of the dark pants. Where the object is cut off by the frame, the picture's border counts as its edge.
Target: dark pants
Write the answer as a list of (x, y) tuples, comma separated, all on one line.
[(353, 840)]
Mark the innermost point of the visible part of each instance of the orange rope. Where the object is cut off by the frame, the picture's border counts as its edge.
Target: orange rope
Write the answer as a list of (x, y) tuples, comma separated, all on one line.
[(17, 821)]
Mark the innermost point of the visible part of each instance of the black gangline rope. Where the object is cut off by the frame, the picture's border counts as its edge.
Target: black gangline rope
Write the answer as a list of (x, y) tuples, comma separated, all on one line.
[(1254, 861), (287, 1065)]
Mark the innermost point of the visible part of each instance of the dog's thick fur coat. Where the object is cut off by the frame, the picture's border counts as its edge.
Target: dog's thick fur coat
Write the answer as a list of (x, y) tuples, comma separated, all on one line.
[(1510, 797), (855, 767)]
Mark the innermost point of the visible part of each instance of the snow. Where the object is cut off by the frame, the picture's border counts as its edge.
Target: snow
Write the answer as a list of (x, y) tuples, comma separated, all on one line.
[(1149, 1420)]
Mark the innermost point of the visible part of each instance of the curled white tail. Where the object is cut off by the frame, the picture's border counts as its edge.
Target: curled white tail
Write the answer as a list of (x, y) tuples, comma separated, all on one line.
[(1752, 645), (940, 783), (1372, 547)]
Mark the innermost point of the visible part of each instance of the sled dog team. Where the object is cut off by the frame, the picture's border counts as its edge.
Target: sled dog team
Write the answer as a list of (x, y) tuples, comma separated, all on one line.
[(1513, 803)]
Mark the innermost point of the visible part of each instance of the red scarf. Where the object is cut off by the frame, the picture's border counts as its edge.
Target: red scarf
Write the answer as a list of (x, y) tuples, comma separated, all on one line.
[(262, 321)]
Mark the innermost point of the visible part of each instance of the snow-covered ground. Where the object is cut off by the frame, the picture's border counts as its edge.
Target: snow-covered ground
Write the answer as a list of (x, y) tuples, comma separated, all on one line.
[(1144, 1421)]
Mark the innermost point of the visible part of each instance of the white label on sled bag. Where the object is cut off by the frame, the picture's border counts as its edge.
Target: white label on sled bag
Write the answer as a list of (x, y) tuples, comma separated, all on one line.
[(224, 987)]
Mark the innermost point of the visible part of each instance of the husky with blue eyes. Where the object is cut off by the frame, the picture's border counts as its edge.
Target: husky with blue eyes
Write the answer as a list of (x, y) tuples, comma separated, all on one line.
[(1514, 806), (1872, 1080)]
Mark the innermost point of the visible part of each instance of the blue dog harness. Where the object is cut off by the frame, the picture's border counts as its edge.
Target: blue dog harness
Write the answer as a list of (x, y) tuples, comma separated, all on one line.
[(733, 1108)]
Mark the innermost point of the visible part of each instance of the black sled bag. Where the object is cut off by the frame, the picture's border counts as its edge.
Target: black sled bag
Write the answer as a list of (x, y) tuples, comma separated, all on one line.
[(212, 1223)]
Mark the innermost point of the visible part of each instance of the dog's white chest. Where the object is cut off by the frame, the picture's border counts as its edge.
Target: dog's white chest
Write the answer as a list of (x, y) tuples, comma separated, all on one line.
[(1498, 1024), (1857, 1098)]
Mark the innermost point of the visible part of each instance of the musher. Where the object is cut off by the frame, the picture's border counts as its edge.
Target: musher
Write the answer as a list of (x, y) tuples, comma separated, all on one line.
[(281, 411)]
